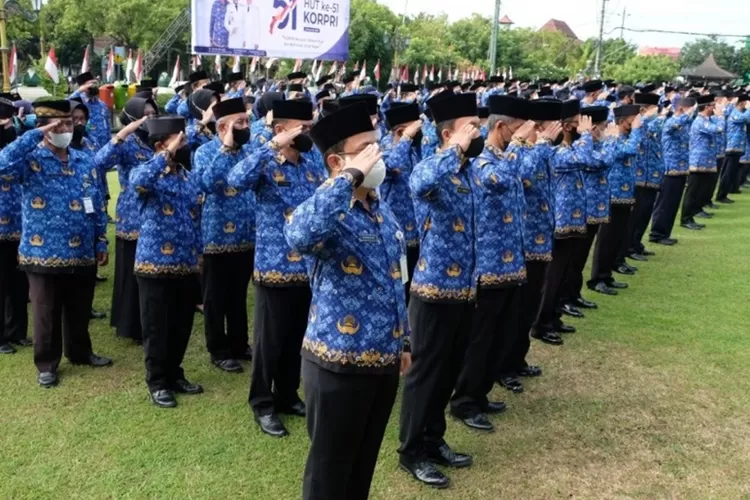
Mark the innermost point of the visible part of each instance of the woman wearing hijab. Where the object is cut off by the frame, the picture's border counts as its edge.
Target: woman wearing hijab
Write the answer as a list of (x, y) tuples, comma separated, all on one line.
[(203, 127)]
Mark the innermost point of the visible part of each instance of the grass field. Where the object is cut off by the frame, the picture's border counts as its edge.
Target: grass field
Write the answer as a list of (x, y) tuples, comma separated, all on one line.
[(650, 399)]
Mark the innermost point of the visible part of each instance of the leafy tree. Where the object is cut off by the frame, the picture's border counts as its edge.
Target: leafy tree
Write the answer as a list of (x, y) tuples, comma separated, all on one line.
[(371, 33), (694, 53), (470, 37), (644, 69)]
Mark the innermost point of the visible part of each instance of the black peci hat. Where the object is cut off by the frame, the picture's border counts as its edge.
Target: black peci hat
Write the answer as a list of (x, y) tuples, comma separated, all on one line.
[(295, 87), (323, 94), (293, 110), (216, 86), (514, 107), (296, 75), (687, 102), (349, 77), (626, 110), (483, 112), (84, 77), (592, 86), (229, 107), (646, 99), (323, 80), (408, 87), (545, 110), (705, 100), (598, 114), (148, 84), (402, 113), (340, 125), (234, 77), (496, 79), (449, 106), (167, 125), (197, 76), (329, 107), (570, 109), (648, 88), (8, 110), (369, 99), (53, 109)]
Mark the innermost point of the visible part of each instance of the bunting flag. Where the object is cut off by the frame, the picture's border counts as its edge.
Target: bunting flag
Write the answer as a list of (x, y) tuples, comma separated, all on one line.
[(129, 65), (253, 64), (333, 69), (463, 77), (394, 74), (217, 65), (110, 65), (297, 65), (85, 65), (376, 71), (176, 72), (50, 65), (363, 73), (505, 73), (13, 63), (432, 73), (343, 68), (138, 67), (236, 65)]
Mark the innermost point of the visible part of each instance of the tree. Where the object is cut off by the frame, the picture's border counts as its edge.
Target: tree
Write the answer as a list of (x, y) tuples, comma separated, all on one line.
[(644, 69), (470, 37), (694, 53), (371, 30)]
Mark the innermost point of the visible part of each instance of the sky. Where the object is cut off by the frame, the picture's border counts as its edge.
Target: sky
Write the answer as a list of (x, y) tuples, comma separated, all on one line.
[(714, 16)]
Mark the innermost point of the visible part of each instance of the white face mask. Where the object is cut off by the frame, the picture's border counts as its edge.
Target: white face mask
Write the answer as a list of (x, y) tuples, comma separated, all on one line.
[(61, 141), (375, 177)]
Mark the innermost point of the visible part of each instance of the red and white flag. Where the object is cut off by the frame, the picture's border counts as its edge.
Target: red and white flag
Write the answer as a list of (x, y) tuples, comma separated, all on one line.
[(236, 65), (85, 65), (217, 65), (129, 65), (455, 74), (425, 73), (405, 74), (343, 68), (319, 70), (195, 63), (440, 74), (175, 73), (110, 72), (270, 61), (253, 64), (314, 69), (138, 67), (510, 72), (13, 63), (416, 76), (356, 66), (363, 72), (334, 66), (50, 66), (432, 73), (297, 65), (376, 72)]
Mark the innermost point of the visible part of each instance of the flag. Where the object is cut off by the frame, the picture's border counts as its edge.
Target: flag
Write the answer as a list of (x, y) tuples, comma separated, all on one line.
[(510, 72), (405, 75), (425, 73), (253, 64), (332, 71), (195, 63), (85, 65), (432, 73), (236, 65), (176, 73), (297, 65), (314, 69), (13, 63), (416, 76), (217, 65), (505, 73), (463, 77), (440, 74), (51, 65), (363, 73), (455, 74), (110, 65), (343, 68), (376, 72), (129, 65), (394, 70), (138, 67), (319, 71), (356, 66)]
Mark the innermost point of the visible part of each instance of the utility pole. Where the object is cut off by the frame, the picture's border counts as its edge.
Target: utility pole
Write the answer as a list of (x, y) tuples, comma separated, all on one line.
[(601, 39), (622, 26), (493, 42)]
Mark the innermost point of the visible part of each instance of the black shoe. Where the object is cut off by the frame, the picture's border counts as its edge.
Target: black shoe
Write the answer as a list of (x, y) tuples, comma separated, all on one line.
[(639, 257), (585, 304), (246, 355), (631, 267), (571, 310), (183, 386), (97, 315), (530, 371), (101, 278), (704, 215), (228, 365), (692, 226), (425, 472), (271, 425), (163, 399), (725, 201), (604, 289), (618, 285), (623, 269), (712, 206), (479, 422), (665, 241), (511, 383), (298, 409), (443, 455), (7, 349), (647, 253), (22, 342), (94, 361), (48, 379), (563, 328), (550, 338), (494, 407)]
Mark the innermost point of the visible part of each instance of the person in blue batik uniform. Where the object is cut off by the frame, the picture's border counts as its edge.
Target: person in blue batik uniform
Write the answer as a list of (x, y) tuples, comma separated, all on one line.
[(166, 260), (228, 230), (619, 155), (706, 130), (99, 129), (649, 174), (357, 337), (737, 121), (196, 80), (63, 237), (14, 287), (745, 160), (592, 89), (282, 173), (236, 83), (174, 102), (219, 32), (566, 163), (484, 114), (261, 130), (675, 144), (203, 126), (721, 99), (500, 266), (127, 150), (443, 287), (401, 154)]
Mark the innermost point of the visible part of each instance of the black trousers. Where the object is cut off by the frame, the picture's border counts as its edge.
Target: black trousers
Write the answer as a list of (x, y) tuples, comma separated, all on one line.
[(744, 170), (347, 415), (609, 243), (125, 315), (645, 198), (494, 333), (666, 206), (412, 256), (226, 277), (280, 324), (61, 307), (439, 336), (730, 173), (563, 254), (711, 187), (14, 294), (698, 184), (574, 281), (531, 299), (167, 313)]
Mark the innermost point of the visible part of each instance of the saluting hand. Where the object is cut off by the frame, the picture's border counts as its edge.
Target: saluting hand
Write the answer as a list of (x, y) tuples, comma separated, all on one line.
[(49, 126), (585, 124), (463, 137), (524, 131), (208, 114), (176, 143), (365, 160), (130, 128), (411, 130), (551, 132), (228, 138), (611, 131), (637, 122), (287, 137)]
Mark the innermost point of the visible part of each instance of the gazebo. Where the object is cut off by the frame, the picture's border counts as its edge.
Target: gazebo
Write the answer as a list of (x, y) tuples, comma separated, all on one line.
[(708, 71)]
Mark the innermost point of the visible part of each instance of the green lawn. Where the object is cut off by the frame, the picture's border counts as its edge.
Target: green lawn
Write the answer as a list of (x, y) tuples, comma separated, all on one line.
[(650, 399)]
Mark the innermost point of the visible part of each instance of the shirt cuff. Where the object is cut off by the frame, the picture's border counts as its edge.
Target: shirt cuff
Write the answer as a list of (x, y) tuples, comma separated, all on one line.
[(357, 176)]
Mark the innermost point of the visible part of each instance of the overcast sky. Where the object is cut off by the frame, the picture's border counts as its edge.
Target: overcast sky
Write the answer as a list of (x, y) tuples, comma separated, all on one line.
[(718, 16)]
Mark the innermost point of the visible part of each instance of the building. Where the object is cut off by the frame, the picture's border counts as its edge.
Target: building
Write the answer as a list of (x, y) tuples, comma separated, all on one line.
[(671, 52), (557, 26), (708, 71)]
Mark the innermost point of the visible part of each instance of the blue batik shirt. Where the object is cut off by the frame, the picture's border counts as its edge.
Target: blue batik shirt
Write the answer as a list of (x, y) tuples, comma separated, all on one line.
[(596, 187), (704, 134), (736, 133), (58, 235), (566, 164), (537, 188), (219, 33), (173, 104), (430, 142), (357, 320), (675, 144), (400, 159), (649, 169), (260, 134), (619, 153)]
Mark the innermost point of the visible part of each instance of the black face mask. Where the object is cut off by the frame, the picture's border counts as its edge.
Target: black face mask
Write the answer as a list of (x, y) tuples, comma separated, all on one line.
[(559, 139), (475, 147), (240, 136), (182, 156), (93, 91), (142, 133), (212, 127), (302, 143), (78, 132), (8, 135), (574, 135), (417, 138)]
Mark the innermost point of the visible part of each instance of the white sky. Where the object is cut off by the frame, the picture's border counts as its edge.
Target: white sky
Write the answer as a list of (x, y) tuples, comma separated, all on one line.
[(718, 16)]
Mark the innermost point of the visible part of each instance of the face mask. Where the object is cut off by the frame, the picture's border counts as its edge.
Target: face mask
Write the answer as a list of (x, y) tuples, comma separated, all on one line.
[(559, 139), (302, 143), (375, 176), (93, 91), (574, 135), (78, 133), (9, 135), (418, 138), (211, 126), (241, 136), (61, 141), (475, 147), (182, 156)]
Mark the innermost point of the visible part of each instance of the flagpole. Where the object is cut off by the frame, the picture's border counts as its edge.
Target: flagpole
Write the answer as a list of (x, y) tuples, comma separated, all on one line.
[(4, 49)]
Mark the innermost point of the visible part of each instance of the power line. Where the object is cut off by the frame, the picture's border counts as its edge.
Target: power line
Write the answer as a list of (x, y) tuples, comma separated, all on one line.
[(669, 32)]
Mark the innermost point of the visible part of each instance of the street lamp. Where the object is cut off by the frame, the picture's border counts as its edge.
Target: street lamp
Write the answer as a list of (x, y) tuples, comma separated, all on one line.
[(37, 4)]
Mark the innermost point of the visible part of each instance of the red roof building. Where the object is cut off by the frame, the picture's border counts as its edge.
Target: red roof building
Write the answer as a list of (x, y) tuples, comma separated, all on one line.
[(506, 21), (671, 52), (555, 25)]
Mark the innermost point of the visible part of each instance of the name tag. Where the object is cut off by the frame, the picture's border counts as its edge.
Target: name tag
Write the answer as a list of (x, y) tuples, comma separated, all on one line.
[(88, 205), (404, 270), (463, 190), (368, 238), (283, 183)]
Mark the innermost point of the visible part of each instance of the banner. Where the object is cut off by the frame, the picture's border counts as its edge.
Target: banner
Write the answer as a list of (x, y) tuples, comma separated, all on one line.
[(296, 29)]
